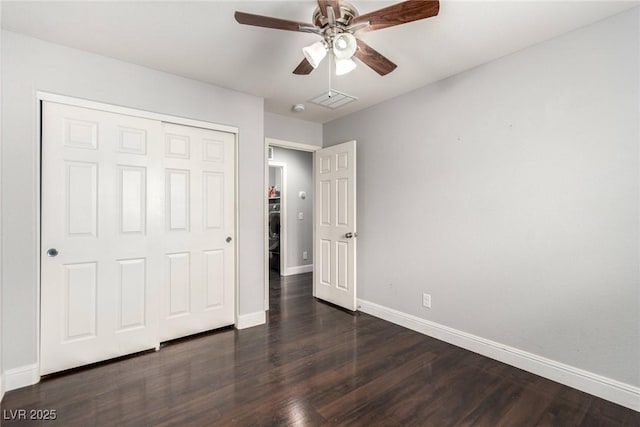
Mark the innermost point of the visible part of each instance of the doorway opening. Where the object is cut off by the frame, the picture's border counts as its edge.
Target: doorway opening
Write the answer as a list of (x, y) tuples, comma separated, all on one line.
[(289, 204), (277, 212)]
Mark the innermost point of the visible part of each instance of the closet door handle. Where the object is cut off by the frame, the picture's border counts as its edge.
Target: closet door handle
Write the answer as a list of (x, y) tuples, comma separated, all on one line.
[(52, 252), (351, 235), (228, 239)]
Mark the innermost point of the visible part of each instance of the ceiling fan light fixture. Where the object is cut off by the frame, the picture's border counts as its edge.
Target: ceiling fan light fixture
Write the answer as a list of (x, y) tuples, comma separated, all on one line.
[(344, 46), (344, 66), (336, 21), (315, 53)]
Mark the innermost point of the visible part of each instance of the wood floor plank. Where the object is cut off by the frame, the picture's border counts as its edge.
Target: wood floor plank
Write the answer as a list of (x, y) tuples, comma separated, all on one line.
[(367, 397), (310, 365)]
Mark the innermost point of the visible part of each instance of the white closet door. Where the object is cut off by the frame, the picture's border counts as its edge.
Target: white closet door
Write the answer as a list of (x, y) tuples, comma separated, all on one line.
[(101, 186), (136, 215), (198, 243)]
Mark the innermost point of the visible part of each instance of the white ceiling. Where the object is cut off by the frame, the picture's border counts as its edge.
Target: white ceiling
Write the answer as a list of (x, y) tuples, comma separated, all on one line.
[(201, 40)]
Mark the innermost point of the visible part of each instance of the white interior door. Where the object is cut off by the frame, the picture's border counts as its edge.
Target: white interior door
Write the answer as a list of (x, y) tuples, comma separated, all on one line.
[(198, 244), (334, 269), (98, 286)]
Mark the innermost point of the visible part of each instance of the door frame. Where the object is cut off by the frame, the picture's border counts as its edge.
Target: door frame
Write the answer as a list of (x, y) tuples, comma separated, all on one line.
[(42, 96), (273, 142)]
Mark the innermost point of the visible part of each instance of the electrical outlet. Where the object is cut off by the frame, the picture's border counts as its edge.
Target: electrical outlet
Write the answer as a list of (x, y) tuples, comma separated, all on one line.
[(426, 300), (305, 255)]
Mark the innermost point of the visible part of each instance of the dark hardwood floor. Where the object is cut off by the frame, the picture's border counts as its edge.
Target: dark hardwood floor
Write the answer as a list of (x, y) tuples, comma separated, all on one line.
[(310, 365)]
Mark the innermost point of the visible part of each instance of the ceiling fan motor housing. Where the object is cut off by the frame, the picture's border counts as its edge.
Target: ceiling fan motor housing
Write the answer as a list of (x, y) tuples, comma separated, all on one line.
[(332, 26), (343, 17)]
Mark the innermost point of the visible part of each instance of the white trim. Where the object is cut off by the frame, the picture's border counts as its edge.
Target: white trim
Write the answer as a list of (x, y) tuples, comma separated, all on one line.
[(37, 106), (78, 102), (236, 229), (265, 227), (252, 319), (313, 225), (597, 385), (291, 145), (298, 270), (1, 386), (21, 377)]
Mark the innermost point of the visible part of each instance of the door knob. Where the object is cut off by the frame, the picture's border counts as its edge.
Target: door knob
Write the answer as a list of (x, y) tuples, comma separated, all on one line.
[(229, 239), (350, 235), (52, 252)]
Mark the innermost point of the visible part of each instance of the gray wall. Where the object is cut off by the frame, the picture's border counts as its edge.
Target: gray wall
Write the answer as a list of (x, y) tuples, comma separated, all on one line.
[(299, 177), (274, 178), (293, 130), (510, 193), (30, 65)]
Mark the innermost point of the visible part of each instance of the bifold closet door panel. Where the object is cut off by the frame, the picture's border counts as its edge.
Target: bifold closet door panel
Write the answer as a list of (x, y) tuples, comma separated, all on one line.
[(102, 188), (198, 243)]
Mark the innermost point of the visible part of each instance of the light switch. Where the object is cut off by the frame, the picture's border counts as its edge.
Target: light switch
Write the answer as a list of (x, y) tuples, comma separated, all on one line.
[(300, 215)]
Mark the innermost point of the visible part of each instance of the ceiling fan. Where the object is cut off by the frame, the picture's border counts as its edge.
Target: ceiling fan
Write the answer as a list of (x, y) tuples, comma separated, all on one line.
[(338, 23)]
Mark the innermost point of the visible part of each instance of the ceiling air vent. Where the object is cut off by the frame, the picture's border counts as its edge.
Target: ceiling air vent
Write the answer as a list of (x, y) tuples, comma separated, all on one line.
[(333, 99)]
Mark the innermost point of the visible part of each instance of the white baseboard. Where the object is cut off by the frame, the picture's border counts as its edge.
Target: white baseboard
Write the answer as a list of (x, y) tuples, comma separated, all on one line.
[(252, 319), (597, 385), (21, 377), (1, 386), (290, 271)]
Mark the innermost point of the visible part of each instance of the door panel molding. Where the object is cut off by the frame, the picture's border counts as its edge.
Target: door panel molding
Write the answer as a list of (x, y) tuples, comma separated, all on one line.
[(202, 228)]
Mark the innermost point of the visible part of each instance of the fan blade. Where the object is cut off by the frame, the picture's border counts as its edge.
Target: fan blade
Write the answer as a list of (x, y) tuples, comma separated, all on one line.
[(334, 4), (323, 4), (401, 13), (269, 22), (374, 59), (303, 68)]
